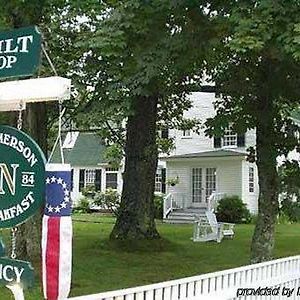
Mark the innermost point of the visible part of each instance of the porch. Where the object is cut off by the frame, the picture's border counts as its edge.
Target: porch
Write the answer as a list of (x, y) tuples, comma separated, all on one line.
[(178, 209), (197, 181)]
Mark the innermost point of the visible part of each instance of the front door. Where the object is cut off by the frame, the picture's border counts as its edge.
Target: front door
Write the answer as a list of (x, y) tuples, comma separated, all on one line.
[(203, 184)]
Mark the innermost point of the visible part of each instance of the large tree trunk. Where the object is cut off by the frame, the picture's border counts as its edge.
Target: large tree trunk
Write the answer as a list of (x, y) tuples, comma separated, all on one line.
[(29, 233), (136, 216), (35, 124), (263, 238)]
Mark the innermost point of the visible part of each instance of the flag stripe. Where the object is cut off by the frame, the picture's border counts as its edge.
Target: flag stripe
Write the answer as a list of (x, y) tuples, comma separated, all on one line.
[(52, 257), (65, 266), (44, 248), (57, 233)]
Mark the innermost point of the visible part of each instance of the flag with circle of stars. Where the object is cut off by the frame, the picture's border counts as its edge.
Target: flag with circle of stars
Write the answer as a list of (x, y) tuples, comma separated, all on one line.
[(58, 195), (57, 233)]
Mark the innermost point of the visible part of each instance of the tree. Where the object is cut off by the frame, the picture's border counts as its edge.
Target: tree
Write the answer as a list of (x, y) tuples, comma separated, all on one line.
[(256, 70), (58, 30), (144, 56)]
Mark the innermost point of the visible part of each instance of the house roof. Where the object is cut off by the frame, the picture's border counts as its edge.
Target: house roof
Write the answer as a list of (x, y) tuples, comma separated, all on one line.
[(213, 153), (88, 150)]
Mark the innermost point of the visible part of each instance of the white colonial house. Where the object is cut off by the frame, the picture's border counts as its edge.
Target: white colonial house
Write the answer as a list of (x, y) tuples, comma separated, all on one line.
[(205, 169), (199, 166)]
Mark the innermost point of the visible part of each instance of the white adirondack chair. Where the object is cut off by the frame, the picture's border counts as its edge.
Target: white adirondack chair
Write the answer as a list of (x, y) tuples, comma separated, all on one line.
[(209, 229)]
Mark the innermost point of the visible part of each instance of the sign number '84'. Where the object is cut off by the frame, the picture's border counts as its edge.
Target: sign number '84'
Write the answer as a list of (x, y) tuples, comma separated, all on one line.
[(27, 179)]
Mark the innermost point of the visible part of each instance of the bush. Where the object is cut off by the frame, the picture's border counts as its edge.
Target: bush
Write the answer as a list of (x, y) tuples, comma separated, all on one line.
[(158, 206), (88, 191), (283, 219), (110, 199), (83, 206), (233, 210), (291, 209)]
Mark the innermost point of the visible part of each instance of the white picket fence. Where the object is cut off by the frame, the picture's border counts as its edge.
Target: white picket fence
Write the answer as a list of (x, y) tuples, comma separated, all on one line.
[(282, 274)]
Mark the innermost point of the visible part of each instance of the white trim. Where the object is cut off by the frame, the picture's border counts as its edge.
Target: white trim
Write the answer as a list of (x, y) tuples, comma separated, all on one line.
[(58, 167), (35, 90)]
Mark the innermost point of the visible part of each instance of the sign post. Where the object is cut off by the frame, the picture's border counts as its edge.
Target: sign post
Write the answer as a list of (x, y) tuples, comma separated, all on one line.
[(22, 184), (22, 163)]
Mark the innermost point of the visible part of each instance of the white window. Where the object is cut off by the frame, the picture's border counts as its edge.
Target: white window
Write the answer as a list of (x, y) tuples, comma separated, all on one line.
[(90, 177), (158, 181), (251, 179), (186, 133), (230, 138), (111, 178)]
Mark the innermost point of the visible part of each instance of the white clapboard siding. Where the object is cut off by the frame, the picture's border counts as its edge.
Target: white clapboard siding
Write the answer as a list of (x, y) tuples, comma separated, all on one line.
[(284, 272), (202, 109), (229, 175)]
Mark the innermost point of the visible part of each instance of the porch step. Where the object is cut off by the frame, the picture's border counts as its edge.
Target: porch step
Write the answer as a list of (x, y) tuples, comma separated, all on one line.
[(184, 216)]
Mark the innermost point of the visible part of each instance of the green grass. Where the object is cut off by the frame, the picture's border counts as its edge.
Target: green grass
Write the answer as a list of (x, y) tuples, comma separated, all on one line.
[(101, 265)]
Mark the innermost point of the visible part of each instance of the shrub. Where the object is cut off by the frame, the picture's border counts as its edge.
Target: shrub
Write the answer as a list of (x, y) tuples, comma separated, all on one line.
[(88, 191), (83, 206), (291, 209), (158, 206), (233, 210), (110, 199), (283, 219)]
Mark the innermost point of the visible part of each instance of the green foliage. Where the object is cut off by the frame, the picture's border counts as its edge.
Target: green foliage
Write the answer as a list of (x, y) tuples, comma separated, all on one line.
[(283, 219), (114, 154), (127, 58), (291, 209), (158, 206), (110, 199), (289, 174), (233, 210), (88, 191), (83, 206), (172, 181)]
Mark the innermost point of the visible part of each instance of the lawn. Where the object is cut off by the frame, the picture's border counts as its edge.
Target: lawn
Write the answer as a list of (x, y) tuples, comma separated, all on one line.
[(101, 265)]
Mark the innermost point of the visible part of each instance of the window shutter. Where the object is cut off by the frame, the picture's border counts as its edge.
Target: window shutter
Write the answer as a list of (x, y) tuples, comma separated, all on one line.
[(241, 140), (217, 142), (72, 179), (165, 133), (98, 180), (163, 180), (81, 179)]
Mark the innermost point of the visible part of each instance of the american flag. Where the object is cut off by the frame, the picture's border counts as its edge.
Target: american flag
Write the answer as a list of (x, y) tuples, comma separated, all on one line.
[(57, 233)]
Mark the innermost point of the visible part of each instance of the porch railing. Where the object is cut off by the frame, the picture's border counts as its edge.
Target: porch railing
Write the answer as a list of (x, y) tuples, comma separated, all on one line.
[(168, 205), (173, 201)]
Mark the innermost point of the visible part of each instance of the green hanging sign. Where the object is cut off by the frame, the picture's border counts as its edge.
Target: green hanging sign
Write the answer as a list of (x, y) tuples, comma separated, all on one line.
[(19, 52), (22, 177), (14, 271)]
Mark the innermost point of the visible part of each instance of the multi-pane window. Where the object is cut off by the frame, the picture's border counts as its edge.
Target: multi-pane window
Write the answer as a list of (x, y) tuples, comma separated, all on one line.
[(229, 138), (197, 185), (210, 182), (111, 178), (251, 180), (158, 181), (186, 133), (90, 177)]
